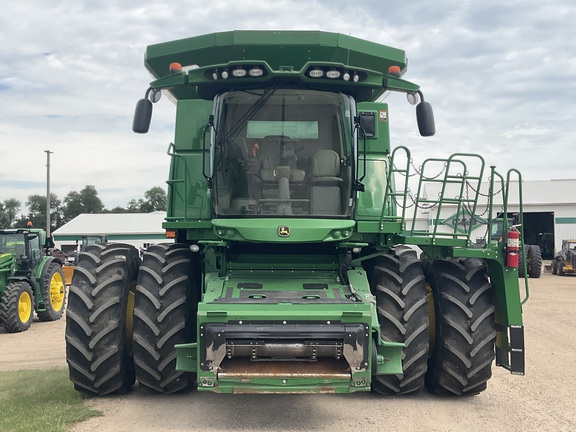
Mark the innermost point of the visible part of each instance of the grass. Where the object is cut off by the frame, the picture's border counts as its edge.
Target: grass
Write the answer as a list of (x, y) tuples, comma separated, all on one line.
[(40, 401)]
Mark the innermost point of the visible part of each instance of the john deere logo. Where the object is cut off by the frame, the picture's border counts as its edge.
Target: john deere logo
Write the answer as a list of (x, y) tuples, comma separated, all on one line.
[(284, 231)]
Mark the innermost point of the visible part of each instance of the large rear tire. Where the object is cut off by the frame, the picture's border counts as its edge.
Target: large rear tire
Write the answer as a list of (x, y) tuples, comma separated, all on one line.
[(163, 303), (560, 267), (534, 261), (397, 281), (53, 293), (461, 363), (99, 319), (17, 307)]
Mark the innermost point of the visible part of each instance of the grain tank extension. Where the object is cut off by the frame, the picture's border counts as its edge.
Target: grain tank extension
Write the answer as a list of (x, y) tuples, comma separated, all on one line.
[(293, 268)]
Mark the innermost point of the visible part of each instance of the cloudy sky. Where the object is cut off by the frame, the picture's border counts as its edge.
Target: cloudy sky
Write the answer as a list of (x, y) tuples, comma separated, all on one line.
[(500, 75)]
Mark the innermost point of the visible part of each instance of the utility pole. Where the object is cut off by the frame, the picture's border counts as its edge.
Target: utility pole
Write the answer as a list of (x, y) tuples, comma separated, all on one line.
[(48, 153)]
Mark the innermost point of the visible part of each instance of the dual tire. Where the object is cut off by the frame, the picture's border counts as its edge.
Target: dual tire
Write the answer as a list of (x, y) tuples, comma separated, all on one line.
[(455, 357), (124, 318)]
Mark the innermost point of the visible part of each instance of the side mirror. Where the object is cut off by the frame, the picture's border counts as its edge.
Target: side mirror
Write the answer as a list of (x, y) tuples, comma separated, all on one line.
[(425, 117), (368, 124), (142, 116)]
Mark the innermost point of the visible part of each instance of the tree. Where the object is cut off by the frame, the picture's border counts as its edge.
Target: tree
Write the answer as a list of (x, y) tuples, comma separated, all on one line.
[(156, 198), (8, 210), (72, 206), (136, 206), (37, 212), (155, 201), (85, 201), (116, 209)]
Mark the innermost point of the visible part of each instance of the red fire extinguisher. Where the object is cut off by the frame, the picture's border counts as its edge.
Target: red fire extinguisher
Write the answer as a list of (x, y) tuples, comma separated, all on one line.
[(512, 247)]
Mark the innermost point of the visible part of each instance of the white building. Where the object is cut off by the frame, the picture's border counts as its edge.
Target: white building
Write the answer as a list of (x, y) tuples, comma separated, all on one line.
[(138, 229)]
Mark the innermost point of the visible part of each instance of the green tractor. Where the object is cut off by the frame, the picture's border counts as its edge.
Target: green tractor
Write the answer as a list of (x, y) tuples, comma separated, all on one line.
[(294, 266), (30, 280)]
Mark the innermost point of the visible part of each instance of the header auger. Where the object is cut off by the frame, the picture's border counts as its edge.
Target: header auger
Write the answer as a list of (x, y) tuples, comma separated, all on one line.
[(293, 269)]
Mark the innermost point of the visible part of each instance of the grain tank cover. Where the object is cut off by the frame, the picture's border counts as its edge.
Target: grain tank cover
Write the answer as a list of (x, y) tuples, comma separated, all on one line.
[(209, 60)]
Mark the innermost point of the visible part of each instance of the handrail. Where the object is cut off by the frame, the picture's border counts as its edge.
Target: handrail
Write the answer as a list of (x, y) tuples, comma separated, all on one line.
[(390, 191), (456, 171), (172, 153), (521, 220)]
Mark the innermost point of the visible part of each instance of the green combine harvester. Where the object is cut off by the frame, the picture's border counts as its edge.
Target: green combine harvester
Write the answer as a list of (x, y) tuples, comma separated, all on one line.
[(293, 268), (30, 280)]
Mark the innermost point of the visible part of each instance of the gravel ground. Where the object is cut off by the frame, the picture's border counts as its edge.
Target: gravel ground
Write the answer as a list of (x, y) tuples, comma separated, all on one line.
[(543, 400)]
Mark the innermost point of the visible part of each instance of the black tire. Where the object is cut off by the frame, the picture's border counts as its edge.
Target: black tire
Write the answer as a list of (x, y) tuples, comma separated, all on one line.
[(534, 261), (397, 281), (53, 292), (554, 268), (164, 300), (560, 267), (17, 307), (461, 362), (99, 317), (521, 261)]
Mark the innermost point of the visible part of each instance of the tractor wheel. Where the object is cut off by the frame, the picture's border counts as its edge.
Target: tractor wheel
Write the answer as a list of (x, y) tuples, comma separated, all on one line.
[(397, 281), (17, 307), (560, 267), (99, 319), (534, 261), (461, 361), (161, 312), (554, 267), (53, 293), (521, 261)]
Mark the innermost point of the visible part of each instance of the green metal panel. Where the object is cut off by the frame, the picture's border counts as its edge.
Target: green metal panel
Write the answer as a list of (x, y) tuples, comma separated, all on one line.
[(381, 142), (370, 202), (277, 48), (214, 310), (188, 195), (191, 118), (284, 230), (283, 55), (565, 220)]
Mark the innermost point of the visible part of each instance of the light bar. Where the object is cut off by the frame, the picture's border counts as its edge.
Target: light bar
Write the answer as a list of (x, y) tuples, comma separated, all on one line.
[(256, 72), (239, 73), (334, 73), (316, 73)]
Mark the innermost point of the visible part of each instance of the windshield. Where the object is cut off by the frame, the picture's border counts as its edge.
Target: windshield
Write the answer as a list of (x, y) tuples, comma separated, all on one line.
[(283, 152), (12, 243)]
